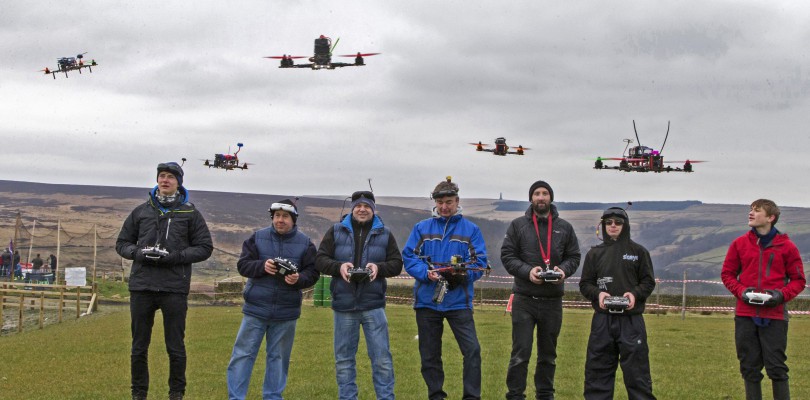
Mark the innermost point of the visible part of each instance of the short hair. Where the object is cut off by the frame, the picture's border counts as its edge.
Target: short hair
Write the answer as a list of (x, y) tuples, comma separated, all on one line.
[(769, 207)]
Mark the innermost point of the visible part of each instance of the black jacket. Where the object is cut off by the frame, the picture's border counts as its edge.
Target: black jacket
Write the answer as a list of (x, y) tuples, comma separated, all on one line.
[(180, 229), (520, 252), (617, 267)]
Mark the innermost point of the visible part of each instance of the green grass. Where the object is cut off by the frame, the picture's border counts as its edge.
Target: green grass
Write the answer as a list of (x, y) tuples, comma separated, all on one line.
[(88, 358)]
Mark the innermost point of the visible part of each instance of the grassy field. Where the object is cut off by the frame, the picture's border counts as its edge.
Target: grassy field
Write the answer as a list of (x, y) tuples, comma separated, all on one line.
[(88, 358)]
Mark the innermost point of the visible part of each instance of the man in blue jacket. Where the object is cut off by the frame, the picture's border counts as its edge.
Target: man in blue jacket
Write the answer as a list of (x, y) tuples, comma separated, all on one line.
[(163, 237), (360, 252), (448, 237), (272, 300)]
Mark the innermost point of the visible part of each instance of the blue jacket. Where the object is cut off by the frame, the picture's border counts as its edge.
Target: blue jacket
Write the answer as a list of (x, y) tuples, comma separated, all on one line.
[(338, 247), (441, 238), (269, 297)]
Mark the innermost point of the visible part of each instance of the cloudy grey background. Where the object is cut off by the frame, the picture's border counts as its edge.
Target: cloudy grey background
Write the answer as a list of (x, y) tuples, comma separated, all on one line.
[(187, 79)]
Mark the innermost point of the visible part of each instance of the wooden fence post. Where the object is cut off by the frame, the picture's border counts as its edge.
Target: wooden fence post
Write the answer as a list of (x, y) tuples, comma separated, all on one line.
[(41, 310), (78, 297), (683, 297), (61, 302), (20, 321)]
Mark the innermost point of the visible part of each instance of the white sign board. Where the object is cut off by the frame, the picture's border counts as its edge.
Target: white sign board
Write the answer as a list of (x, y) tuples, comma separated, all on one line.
[(76, 276)]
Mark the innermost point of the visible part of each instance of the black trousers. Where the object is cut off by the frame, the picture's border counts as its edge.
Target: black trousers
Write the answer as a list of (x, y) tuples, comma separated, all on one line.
[(617, 339), (759, 347), (142, 308), (546, 315)]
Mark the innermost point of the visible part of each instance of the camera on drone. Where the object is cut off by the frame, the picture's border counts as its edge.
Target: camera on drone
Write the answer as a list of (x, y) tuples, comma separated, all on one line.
[(285, 266), (154, 252), (359, 274), (549, 275), (616, 304), (442, 286)]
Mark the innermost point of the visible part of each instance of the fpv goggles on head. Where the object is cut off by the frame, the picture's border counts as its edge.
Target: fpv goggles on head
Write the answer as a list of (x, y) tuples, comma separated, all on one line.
[(615, 212), (283, 207), (362, 194)]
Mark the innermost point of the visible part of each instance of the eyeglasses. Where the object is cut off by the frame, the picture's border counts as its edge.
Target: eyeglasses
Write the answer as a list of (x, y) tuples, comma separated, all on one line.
[(283, 207), (611, 221)]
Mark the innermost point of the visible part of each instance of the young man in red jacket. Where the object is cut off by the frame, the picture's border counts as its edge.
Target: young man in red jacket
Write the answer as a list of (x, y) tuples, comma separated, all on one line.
[(764, 271)]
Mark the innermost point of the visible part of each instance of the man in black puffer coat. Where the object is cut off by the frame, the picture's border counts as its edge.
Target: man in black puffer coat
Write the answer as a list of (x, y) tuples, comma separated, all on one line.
[(163, 237), (537, 241), (617, 267)]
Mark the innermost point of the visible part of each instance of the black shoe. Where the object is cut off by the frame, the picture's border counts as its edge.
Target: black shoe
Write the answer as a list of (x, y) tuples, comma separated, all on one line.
[(175, 395), (138, 395)]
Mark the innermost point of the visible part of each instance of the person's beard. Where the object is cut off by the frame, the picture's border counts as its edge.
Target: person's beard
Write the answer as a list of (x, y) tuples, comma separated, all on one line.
[(541, 208)]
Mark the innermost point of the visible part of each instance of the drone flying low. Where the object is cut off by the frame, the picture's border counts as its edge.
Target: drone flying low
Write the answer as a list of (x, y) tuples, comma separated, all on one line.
[(323, 57), (644, 159), (500, 149), (66, 64), (227, 161)]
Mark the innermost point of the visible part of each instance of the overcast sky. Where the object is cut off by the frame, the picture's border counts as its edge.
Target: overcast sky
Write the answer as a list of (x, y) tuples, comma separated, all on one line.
[(187, 79)]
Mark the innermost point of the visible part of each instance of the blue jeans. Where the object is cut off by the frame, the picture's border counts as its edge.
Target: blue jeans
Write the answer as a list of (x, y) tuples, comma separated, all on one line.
[(280, 335), (347, 336), (430, 324)]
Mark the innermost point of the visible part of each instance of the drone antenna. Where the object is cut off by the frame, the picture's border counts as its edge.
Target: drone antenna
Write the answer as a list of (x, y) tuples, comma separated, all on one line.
[(665, 140), (333, 46), (369, 185), (239, 145), (634, 130), (628, 141), (344, 206), (183, 161)]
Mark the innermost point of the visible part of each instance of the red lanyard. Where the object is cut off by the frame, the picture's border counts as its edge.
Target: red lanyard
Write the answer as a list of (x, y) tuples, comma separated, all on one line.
[(547, 253)]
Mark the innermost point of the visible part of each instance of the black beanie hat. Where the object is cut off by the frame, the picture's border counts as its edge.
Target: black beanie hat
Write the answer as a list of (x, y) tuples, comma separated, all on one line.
[(540, 184), (172, 168), (284, 205)]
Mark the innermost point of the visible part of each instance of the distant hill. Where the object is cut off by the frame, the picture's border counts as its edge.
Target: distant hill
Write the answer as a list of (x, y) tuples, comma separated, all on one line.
[(683, 235)]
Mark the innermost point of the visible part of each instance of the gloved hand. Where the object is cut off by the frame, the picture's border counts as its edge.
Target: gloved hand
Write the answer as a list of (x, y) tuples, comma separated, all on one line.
[(745, 297), (776, 299), (141, 258), (170, 259)]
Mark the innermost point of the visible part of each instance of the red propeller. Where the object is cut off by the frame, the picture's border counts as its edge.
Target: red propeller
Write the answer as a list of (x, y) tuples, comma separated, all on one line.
[(359, 54)]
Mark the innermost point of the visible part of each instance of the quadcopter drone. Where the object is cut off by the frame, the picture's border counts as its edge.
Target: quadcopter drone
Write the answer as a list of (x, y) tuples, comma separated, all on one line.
[(323, 57), (65, 64)]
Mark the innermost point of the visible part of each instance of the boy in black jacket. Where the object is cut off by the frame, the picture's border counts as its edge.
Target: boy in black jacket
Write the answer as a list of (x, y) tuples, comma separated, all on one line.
[(617, 269)]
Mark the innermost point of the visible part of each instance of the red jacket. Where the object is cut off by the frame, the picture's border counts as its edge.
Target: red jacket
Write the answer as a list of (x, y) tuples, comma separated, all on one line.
[(777, 266)]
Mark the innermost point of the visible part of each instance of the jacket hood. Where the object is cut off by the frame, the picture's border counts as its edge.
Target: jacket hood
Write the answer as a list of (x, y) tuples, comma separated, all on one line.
[(184, 197), (615, 212)]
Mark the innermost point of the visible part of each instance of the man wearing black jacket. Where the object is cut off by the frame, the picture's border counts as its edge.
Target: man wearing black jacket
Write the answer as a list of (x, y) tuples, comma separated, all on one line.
[(536, 242), (618, 267), (163, 237), (360, 252)]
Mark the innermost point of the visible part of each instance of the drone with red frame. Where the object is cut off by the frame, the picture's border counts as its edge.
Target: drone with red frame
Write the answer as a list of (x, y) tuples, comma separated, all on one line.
[(323, 57), (66, 64), (227, 161), (644, 159), (500, 148), (455, 266)]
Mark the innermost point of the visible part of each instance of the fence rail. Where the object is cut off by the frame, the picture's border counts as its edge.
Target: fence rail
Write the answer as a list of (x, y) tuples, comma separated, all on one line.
[(40, 297)]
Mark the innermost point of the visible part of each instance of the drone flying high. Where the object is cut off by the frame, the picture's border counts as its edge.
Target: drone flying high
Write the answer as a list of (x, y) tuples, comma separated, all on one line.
[(323, 57), (501, 148), (227, 161), (644, 159), (66, 64)]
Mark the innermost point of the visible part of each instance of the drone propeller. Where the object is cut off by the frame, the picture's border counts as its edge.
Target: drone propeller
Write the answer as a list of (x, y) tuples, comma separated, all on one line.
[(284, 57), (689, 161), (480, 144), (359, 54), (524, 148), (80, 55)]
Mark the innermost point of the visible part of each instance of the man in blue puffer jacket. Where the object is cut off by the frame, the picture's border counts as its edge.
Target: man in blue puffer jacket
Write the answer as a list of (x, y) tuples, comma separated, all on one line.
[(360, 252), (446, 236), (272, 300)]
